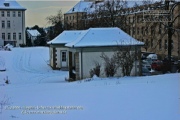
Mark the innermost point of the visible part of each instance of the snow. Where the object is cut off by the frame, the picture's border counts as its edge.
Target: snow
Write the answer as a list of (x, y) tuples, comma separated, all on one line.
[(33, 33), (103, 37), (12, 5), (35, 87), (66, 37)]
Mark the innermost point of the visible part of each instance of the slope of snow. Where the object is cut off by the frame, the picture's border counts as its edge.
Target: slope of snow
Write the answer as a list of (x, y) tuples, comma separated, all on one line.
[(34, 88)]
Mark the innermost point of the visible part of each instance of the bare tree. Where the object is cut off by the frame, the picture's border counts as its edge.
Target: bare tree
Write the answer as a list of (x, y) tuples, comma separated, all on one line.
[(106, 14), (57, 24), (110, 65), (125, 57)]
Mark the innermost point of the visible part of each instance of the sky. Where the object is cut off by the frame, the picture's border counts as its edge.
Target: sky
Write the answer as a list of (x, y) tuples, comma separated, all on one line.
[(38, 10)]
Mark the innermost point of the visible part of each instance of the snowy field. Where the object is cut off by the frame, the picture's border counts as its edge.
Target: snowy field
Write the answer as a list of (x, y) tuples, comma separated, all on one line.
[(36, 92)]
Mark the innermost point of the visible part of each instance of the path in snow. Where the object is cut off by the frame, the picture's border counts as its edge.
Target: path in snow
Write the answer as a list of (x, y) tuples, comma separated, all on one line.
[(30, 65)]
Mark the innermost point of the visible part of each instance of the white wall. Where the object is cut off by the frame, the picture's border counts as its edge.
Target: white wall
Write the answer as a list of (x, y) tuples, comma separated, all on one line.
[(88, 63), (17, 25), (51, 56)]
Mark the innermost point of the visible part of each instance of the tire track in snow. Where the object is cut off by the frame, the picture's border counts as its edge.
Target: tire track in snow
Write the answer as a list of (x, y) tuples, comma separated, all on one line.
[(23, 59)]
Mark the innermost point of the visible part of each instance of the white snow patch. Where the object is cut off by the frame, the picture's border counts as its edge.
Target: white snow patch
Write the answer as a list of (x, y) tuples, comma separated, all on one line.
[(35, 87)]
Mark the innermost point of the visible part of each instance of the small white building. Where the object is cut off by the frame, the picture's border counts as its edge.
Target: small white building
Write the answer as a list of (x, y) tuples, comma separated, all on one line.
[(33, 35), (12, 22), (86, 48), (58, 51)]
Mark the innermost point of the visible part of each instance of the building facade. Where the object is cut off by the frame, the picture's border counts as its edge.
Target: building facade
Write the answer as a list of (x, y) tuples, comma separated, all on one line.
[(153, 33), (12, 23)]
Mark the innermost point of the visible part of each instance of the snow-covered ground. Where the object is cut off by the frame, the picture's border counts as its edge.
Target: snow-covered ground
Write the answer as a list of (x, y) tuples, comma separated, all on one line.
[(37, 92)]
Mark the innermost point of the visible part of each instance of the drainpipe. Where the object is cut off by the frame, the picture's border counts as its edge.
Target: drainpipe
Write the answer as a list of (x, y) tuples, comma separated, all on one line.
[(81, 65)]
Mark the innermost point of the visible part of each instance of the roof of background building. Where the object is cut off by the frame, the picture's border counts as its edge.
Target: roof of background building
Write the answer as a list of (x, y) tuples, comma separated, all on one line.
[(7, 4), (33, 33), (81, 6)]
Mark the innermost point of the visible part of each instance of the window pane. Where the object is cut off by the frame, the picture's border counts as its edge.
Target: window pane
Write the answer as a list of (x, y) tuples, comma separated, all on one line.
[(19, 36), (3, 24), (9, 36), (8, 24), (3, 36), (8, 13), (2, 13), (63, 56), (14, 36), (14, 14), (19, 14)]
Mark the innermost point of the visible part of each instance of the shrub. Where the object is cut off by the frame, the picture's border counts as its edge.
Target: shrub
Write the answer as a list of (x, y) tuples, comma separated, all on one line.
[(96, 70), (110, 66)]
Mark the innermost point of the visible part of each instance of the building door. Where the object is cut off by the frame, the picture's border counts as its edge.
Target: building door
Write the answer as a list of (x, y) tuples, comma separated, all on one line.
[(63, 58)]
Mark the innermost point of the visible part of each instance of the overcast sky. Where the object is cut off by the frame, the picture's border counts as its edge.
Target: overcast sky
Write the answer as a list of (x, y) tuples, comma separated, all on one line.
[(38, 10)]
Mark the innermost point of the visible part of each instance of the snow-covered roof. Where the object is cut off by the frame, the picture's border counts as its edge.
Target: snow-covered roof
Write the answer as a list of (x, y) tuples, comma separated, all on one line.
[(66, 37), (96, 37), (33, 33), (81, 6), (9, 4)]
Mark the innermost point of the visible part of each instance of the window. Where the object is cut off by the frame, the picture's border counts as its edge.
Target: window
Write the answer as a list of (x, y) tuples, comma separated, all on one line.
[(3, 24), (160, 29), (66, 18), (14, 36), (172, 45), (146, 43), (19, 14), (3, 36), (146, 30), (142, 30), (8, 13), (138, 31), (70, 17), (165, 45), (20, 36), (133, 19), (160, 44), (129, 19), (9, 36), (151, 43), (138, 19), (8, 24), (63, 56), (14, 14), (134, 31), (152, 30), (2, 13)]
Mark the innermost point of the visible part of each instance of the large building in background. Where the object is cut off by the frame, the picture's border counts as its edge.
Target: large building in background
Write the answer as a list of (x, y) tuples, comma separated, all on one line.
[(12, 23), (154, 33)]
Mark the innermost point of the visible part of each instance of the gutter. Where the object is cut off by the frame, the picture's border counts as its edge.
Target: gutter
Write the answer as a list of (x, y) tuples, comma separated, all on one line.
[(81, 64)]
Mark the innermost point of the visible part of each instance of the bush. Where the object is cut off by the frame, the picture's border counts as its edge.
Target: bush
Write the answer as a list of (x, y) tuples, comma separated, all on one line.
[(22, 45), (110, 66), (96, 70)]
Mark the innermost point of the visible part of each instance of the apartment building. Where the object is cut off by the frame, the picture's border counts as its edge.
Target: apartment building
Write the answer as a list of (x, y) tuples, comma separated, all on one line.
[(12, 23), (153, 33)]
